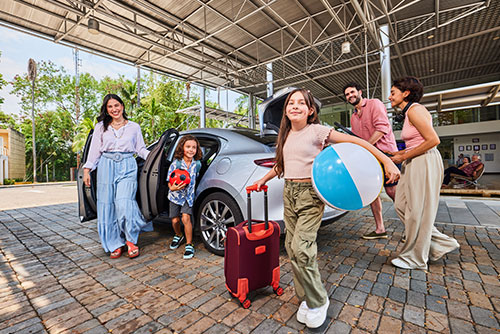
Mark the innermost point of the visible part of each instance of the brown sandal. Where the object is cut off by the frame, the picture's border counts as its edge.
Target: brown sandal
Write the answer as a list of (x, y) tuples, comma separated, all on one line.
[(133, 250), (116, 253)]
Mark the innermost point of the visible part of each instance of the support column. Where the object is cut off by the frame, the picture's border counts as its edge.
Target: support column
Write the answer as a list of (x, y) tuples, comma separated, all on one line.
[(251, 111), (202, 108), (138, 86), (385, 65), (1, 169), (269, 77), (1, 160)]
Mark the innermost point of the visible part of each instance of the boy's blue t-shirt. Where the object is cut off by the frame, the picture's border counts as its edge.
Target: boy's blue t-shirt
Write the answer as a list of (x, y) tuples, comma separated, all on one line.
[(187, 194)]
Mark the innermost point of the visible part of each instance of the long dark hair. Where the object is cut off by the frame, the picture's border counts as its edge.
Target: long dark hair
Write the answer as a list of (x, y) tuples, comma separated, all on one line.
[(286, 125), (179, 150), (104, 116)]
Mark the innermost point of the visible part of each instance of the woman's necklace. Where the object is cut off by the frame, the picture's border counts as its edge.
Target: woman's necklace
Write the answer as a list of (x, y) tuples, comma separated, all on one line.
[(118, 130)]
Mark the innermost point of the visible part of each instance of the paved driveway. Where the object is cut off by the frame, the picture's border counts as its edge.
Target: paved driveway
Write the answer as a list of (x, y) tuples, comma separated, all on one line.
[(26, 196), (55, 278)]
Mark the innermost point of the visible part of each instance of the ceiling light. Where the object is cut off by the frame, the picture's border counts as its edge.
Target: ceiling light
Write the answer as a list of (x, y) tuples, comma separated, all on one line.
[(430, 36), (432, 70), (93, 26), (346, 47)]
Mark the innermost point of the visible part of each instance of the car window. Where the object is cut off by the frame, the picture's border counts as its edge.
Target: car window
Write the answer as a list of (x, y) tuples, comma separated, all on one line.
[(209, 148)]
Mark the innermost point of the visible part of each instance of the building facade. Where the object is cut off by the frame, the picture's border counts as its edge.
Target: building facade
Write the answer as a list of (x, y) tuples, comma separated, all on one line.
[(12, 155)]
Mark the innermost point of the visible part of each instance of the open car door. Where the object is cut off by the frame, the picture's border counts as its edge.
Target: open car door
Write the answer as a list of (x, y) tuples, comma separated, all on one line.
[(152, 176), (87, 199)]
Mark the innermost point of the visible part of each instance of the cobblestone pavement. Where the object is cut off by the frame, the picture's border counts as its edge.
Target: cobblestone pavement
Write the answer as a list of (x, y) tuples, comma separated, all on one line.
[(55, 278)]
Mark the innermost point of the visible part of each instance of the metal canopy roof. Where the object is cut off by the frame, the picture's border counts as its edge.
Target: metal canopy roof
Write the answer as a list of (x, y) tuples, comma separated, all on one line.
[(446, 43), (463, 97), (217, 114)]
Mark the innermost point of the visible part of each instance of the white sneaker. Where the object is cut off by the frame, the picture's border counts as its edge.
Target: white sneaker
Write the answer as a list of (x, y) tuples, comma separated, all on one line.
[(437, 257), (302, 312), (316, 316), (397, 262), (400, 264)]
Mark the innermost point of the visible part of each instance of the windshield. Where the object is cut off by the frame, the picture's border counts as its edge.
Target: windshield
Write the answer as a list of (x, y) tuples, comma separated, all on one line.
[(267, 139)]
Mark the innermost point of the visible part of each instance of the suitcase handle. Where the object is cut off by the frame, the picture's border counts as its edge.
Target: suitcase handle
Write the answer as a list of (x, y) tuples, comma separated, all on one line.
[(249, 205), (254, 188)]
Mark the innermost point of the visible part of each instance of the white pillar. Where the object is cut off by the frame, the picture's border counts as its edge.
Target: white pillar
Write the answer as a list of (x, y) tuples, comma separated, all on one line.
[(202, 108), (1, 169), (1, 160), (385, 65), (269, 77), (138, 87), (251, 111)]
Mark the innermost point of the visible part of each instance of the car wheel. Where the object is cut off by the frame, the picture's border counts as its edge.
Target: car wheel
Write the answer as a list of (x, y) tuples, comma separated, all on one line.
[(217, 212)]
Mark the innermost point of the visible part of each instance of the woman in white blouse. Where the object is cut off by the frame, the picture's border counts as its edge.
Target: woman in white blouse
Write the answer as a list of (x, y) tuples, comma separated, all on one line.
[(114, 143)]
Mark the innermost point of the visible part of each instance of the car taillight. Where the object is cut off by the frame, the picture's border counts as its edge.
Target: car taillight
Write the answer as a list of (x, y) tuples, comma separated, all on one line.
[(269, 163)]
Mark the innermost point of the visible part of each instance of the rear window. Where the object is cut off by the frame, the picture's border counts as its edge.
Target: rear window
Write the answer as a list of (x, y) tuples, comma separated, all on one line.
[(268, 139)]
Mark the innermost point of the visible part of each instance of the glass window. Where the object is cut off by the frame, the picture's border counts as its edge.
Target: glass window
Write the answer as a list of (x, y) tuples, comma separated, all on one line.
[(488, 113)]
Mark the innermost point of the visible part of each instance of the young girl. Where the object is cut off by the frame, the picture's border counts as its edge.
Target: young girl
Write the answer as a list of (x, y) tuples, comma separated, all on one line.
[(181, 196), (300, 140)]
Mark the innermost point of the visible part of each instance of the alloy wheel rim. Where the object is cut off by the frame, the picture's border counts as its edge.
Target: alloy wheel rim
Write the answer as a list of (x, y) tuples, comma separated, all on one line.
[(216, 216)]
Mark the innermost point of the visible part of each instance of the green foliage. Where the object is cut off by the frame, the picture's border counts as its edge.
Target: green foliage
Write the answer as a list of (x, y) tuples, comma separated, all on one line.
[(8, 182), (7, 121), (162, 98), (82, 132)]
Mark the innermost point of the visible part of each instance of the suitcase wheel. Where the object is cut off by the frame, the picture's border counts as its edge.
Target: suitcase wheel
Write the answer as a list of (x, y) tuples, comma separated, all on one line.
[(278, 291), (246, 303)]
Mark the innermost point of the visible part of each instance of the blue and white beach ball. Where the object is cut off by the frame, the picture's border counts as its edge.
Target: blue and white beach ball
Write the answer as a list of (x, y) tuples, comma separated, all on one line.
[(347, 176)]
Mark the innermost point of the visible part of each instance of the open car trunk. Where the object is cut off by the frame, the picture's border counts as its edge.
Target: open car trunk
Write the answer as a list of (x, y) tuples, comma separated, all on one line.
[(271, 110)]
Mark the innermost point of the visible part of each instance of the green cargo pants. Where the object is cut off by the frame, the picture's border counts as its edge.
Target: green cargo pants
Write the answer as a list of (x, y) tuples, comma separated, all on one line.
[(302, 215)]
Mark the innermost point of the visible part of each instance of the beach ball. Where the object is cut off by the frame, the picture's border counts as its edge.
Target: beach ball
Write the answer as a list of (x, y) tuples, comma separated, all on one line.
[(179, 176), (347, 176)]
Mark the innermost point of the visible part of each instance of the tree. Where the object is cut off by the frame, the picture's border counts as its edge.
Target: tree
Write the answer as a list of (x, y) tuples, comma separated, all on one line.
[(54, 130), (129, 96), (163, 96), (55, 116), (7, 121), (82, 132)]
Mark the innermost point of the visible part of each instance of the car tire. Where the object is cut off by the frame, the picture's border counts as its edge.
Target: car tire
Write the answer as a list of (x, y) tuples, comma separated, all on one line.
[(217, 212)]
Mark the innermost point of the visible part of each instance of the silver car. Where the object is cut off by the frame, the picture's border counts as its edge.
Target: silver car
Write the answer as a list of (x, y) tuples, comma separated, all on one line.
[(232, 159)]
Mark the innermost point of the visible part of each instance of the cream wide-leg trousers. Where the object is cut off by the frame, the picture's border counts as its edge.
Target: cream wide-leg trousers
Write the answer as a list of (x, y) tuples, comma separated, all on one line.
[(416, 203)]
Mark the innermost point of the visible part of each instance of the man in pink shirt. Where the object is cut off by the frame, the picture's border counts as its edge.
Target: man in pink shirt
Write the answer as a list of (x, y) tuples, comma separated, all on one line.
[(370, 122)]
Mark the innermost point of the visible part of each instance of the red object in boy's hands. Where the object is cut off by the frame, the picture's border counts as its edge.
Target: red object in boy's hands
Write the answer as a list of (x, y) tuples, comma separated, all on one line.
[(179, 176)]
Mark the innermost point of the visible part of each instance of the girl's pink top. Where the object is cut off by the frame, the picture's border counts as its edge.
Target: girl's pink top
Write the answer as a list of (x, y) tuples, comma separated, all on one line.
[(300, 149), (410, 134)]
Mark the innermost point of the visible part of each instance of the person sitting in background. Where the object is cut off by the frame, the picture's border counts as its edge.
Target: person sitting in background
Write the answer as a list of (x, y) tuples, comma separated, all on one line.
[(467, 169), (460, 159)]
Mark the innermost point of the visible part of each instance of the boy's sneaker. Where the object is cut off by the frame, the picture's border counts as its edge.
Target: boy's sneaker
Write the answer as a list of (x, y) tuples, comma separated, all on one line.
[(189, 252), (176, 241), (316, 316)]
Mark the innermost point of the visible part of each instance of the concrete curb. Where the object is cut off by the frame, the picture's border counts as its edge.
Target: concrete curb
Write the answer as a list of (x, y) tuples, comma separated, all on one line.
[(38, 184)]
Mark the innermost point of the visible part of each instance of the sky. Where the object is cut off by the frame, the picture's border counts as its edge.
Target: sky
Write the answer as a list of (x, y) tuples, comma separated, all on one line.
[(17, 48)]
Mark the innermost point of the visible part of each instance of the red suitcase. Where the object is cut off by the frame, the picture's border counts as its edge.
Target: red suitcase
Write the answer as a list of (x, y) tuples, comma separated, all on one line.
[(251, 256)]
